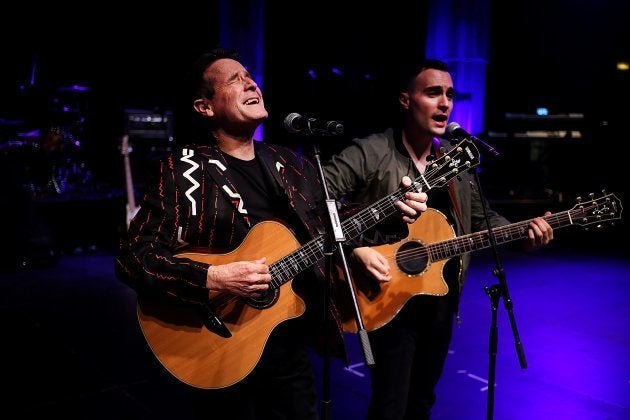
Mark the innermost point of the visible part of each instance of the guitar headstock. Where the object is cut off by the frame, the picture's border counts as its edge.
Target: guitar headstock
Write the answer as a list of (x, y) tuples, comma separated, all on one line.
[(462, 157), (598, 210)]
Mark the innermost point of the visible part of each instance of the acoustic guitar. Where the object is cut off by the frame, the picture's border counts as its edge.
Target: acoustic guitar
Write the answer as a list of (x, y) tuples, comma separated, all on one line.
[(418, 260), (220, 343)]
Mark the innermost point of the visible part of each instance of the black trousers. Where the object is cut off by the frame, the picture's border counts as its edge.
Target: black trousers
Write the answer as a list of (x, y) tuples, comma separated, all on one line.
[(409, 355), (281, 386)]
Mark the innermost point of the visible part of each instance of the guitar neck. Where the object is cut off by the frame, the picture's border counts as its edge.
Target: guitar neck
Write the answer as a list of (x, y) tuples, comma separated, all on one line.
[(502, 234), (462, 157), (465, 156), (313, 251)]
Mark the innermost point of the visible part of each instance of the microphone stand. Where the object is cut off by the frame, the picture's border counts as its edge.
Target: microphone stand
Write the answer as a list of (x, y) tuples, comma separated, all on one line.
[(496, 292), (336, 236)]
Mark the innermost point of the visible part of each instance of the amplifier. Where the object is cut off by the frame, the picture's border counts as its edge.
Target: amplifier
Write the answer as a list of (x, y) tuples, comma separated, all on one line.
[(149, 124)]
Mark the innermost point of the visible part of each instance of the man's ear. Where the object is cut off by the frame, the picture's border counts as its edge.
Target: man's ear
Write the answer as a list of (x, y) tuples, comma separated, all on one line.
[(403, 99), (203, 107)]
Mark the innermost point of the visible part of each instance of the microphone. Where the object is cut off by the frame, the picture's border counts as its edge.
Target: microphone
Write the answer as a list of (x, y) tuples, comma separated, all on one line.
[(455, 131), (295, 123)]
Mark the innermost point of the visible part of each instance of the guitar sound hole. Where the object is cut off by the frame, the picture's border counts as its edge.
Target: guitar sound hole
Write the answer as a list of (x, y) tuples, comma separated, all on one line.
[(410, 258), (267, 299)]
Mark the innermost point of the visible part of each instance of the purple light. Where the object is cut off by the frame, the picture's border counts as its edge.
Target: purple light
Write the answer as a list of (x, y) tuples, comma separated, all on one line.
[(335, 70), (74, 88)]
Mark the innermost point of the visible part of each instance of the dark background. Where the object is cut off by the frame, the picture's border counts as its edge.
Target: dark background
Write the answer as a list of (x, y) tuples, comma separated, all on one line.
[(135, 56), (69, 329)]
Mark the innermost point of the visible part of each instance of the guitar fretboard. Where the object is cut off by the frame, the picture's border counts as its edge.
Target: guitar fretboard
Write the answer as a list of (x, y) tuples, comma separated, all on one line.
[(437, 174), (598, 210)]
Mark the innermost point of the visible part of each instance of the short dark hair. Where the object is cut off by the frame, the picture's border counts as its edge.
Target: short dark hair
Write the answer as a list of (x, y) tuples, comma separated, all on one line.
[(413, 68), (199, 87)]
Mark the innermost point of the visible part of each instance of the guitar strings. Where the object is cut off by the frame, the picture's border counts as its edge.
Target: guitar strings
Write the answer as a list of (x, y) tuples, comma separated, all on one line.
[(288, 266), (281, 270), (386, 205), (451, 247)]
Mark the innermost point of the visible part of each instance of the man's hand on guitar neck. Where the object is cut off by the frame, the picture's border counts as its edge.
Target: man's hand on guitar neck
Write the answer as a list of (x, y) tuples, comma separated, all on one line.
[(540, 233), (415, 202)]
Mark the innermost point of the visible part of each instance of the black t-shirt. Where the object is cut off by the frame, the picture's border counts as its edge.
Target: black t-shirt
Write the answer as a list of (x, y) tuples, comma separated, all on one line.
[(263, 198), (254, 186)]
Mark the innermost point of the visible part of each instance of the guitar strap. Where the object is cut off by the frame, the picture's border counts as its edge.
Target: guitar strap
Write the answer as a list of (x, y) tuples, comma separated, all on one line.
[(439, 151)]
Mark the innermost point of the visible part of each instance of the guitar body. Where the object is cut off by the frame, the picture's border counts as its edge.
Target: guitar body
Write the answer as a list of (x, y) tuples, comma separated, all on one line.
[(202, 358), (418, 261), (217, 344), (379, 304)]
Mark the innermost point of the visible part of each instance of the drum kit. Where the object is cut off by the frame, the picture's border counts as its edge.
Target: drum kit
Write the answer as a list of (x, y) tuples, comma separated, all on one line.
[(47, 159)]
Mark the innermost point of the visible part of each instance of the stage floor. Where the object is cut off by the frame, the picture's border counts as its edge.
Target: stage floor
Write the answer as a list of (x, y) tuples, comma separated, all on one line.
[(73, 347)]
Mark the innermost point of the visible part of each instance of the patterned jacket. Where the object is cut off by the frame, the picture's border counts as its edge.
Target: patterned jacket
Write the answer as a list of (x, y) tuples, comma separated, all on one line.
[(193, 203)]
